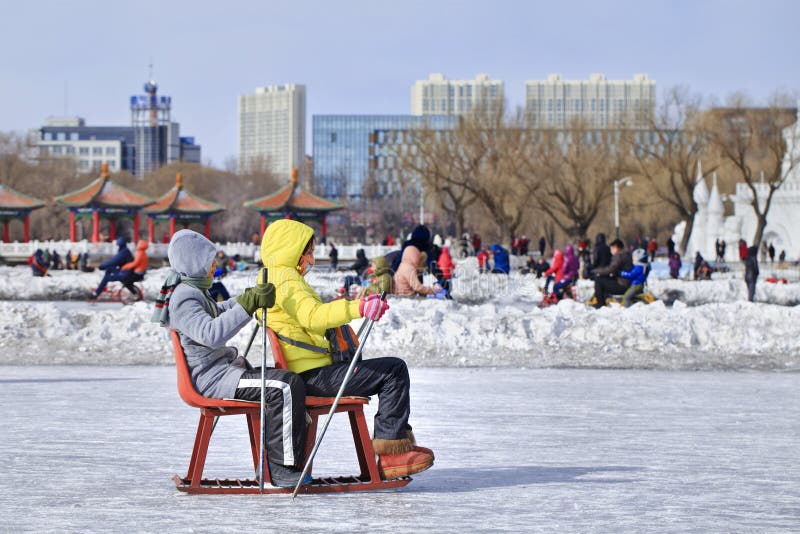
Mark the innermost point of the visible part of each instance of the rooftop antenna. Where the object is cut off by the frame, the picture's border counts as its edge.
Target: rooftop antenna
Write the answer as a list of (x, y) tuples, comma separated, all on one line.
[(150, 68), (66, 98)]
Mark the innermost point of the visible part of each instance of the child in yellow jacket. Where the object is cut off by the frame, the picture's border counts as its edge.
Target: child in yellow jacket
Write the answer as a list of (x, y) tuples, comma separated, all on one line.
[(300, 319)]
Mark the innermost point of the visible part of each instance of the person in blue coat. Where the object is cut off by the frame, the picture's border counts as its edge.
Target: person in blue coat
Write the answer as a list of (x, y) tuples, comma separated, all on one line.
[(39, 263), (112, 266), (500, 258), (637, 275)]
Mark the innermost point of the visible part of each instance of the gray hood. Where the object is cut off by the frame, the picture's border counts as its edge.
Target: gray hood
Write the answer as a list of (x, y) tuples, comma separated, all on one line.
[(191, 254)]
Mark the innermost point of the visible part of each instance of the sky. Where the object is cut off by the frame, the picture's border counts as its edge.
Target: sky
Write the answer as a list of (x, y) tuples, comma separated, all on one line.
[(86, 58)]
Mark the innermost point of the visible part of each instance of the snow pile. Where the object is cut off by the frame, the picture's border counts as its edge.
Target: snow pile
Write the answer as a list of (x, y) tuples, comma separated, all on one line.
[(470, 286), (506, 332), (493, 320)]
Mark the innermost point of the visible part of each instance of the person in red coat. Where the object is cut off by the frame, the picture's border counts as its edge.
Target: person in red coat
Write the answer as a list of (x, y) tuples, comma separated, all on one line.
[(446, 264), (555, 270), (483, 260), (446, 267), (742, 249), (652, 248)]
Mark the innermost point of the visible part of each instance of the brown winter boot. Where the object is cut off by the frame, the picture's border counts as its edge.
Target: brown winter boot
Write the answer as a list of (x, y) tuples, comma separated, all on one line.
[(399, 458)]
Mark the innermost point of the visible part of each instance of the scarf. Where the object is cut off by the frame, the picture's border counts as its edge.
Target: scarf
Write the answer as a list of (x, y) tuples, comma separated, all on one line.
[(161, 312)]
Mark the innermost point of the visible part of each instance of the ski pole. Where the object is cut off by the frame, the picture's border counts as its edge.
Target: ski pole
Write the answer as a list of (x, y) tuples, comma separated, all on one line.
[(370, 323), (252, 337), (262, 464)]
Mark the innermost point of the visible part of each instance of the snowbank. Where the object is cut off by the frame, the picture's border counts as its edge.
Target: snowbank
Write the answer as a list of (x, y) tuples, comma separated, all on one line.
[(494, 320), (507, 332)]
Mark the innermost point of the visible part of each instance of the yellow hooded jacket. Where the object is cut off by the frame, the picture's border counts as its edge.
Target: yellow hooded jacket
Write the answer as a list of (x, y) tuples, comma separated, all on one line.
[(299, 313)]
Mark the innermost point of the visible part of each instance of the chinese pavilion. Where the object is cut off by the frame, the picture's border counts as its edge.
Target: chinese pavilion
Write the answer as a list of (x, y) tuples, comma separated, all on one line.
[(104, 198), (179, 205), (292, 201), (16, 206)]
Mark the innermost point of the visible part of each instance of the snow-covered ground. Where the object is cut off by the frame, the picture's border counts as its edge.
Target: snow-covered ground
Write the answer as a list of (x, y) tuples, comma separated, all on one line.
[(92, 449), (494, 320)]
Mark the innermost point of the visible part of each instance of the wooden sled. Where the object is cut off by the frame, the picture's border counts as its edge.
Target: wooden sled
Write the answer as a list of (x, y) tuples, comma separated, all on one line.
[(645, 297), (117, 292), (368, 479)]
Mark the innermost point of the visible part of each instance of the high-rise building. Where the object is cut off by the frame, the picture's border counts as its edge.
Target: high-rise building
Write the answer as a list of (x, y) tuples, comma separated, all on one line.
[(272, 128), (343, 145), (440, 96), (597, 102), (157, 138), (151, 141)]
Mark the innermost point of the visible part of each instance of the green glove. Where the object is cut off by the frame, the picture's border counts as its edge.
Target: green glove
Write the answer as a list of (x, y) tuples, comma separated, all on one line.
[(257, 297)]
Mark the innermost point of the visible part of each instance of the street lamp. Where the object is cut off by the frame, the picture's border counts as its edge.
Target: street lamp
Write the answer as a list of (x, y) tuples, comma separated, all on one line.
[(627, 182), (421, 203)]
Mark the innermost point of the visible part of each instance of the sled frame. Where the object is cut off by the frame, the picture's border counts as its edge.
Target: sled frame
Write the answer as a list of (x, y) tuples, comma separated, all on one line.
[(117, 292), (368, 479)]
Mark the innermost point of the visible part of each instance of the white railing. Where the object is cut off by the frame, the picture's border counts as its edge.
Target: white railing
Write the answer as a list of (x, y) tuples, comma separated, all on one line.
[(248, 251)]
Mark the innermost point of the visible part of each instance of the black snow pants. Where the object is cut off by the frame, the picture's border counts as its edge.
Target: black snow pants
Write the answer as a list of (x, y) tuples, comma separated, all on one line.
[(286, 412), (604, 286), (385, 377)]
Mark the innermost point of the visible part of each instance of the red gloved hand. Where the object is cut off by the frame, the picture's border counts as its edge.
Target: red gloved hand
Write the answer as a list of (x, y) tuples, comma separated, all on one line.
[(372, 307)]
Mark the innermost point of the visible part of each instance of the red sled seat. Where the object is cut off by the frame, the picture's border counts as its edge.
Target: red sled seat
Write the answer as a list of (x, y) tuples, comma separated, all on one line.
[(368, 479)]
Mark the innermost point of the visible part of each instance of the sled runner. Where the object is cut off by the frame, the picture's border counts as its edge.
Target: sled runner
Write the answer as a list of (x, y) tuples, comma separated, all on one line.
[(645, 297), (117, 292), (368, 479), (569, 292)]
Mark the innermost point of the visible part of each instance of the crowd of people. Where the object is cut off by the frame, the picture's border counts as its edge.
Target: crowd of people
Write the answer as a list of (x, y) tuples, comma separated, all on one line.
[(615, 269)]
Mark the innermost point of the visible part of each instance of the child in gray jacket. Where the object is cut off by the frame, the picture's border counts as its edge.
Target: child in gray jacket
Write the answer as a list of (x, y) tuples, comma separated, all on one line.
[(218, 371)]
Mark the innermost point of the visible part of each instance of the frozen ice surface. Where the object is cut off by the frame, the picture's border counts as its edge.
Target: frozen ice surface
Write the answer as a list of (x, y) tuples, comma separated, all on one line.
[(92, 449)]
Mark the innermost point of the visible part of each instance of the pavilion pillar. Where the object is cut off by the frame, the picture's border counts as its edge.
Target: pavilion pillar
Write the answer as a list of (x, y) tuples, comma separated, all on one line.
[(72, 233), (136, 227), (324, 226), (112, 229), (5, 231), (95, 226), (208, 228), (26, 229), (263, 224), (151, 234), (171, 226)]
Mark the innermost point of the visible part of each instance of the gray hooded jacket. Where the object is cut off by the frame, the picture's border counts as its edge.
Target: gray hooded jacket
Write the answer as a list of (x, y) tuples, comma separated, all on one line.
[(204, 325)]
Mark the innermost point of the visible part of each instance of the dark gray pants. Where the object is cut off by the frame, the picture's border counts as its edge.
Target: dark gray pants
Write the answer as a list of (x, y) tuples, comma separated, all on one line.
[(385, 377), (751, 291), (286, 412)]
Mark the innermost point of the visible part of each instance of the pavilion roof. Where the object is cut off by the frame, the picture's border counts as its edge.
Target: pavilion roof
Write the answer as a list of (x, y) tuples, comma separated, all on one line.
[(292, 197), (14, 200), (104, 192), (178, 200)]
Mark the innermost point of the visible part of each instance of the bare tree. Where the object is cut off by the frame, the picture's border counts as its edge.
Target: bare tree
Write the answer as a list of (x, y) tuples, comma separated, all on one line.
[(480, 161), (434, 161), (666, 157), (578, 168), (762, 147)]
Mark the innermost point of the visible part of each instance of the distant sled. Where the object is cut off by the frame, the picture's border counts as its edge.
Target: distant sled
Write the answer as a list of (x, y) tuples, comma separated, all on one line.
[(117, 292)]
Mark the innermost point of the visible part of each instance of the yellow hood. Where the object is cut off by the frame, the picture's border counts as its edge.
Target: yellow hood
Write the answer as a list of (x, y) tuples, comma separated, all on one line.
[(298, 313), (283, 243)]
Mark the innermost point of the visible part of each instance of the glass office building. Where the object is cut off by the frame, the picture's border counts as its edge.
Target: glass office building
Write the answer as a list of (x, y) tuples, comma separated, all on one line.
[(342, 143)]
